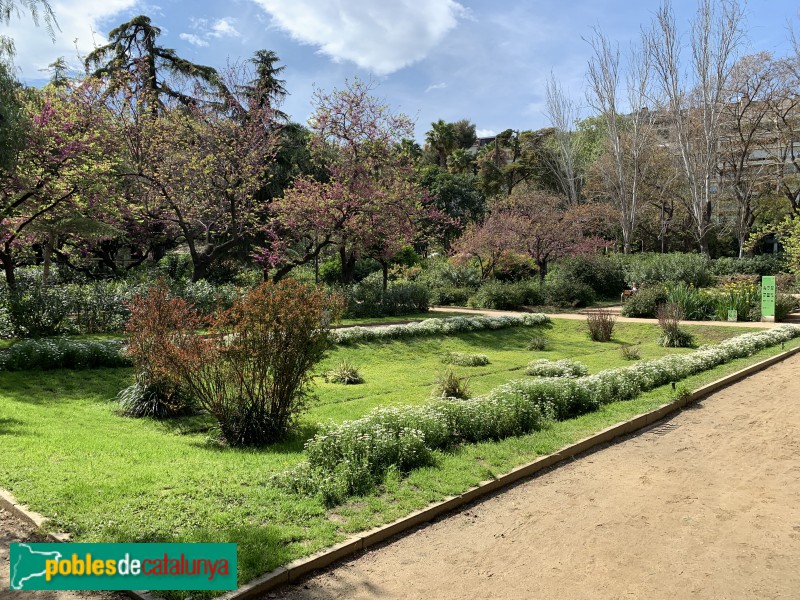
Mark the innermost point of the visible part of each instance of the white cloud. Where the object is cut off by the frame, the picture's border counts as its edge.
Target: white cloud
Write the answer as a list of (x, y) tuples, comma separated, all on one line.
[(436, 86), (483, 133), (82, 26), (224, 28), (193, 39), (374, 34)]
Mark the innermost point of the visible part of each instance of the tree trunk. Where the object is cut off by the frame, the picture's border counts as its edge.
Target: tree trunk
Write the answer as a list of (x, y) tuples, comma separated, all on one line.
[(385, 268), (348, 260), (8, 267)]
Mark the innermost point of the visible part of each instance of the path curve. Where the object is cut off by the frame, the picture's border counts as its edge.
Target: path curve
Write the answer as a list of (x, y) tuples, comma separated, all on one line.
[(701, 506)]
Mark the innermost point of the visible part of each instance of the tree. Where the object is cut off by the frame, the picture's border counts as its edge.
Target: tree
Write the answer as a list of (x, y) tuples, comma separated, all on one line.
[(744, 116), (266, 89), (368, 203), (457, 196), (13, 122), (563, 115), (133, 60), (441, 138), (695, 106), (36, 8), (63, 168), (628, 137)]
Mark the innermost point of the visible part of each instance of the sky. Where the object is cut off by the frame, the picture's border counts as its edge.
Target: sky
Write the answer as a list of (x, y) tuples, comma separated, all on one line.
[(482, 60)]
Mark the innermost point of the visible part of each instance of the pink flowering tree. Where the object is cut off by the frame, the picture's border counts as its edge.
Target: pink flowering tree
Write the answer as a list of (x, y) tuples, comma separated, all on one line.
[(368, 206)]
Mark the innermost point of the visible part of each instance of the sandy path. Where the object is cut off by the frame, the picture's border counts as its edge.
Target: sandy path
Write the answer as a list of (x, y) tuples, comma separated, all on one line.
[(702, 506)]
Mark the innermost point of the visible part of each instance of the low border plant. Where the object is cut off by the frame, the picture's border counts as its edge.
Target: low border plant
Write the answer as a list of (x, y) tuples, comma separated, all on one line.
[(566, 367), (464, 359), (351, 458)]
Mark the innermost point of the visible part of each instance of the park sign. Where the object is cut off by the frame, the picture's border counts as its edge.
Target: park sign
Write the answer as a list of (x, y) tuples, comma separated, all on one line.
[(76, 566), (768, 298)]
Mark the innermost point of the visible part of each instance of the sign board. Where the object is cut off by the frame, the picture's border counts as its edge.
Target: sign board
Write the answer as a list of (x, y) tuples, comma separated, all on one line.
[(768, 296), (733, 315)]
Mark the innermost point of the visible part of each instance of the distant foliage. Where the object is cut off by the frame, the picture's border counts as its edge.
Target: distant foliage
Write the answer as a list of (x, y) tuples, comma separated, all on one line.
[(62, 353), (763, 264), (507, 295), (648, 269)]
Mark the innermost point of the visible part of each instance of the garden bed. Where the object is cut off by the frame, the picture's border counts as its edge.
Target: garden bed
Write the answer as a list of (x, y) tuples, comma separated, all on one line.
[(68, 455)]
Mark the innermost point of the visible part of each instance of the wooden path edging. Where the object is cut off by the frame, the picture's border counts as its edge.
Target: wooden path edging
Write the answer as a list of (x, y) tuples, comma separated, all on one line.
[(297, 569)]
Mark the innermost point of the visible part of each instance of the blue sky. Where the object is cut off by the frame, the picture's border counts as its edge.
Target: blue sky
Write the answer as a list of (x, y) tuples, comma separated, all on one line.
[(486, 61)]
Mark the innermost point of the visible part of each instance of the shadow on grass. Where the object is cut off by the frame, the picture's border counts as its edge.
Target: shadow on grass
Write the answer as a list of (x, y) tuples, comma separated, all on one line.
[(9, 426), (63, 386), (291, 444)]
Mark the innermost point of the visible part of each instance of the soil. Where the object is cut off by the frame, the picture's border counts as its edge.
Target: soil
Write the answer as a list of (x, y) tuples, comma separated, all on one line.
[(13, 530), (704, 505)]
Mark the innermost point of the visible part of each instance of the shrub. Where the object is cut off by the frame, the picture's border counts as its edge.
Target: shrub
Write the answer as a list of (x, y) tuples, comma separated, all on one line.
[(452, 325), (605, 275), (648, 269), (672, 336), (37, 311), (538, 342), (645, 302), (507, 295), (101, 306), (61, 353), (744, 298), (763, 264), (450, 384), (567, 293), (450, 295), (368, 298), (601, 325), (143, 399), (630, 351), (253, 372), (784, 305), (345, 373), (463, 359), (695, 304), (565, 367)]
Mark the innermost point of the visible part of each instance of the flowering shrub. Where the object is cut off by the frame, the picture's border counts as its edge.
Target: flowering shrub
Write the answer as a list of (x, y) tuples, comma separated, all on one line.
[(463, 359), (354, 335), (60, 353), (352, 457), (744, 298), (566, 367)]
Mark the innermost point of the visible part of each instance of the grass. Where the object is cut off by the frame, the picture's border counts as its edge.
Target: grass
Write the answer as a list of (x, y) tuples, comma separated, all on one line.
[(69, 455)]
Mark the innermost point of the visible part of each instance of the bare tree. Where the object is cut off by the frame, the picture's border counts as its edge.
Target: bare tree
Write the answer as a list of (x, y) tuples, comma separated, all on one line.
[(563, 115), (752, 92), (629, 136), (695, 103)]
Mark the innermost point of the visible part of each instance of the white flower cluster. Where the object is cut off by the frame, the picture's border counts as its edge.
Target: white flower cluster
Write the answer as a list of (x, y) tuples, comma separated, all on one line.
[(566, 367), (350, 458), (464, 359), (354, 335)]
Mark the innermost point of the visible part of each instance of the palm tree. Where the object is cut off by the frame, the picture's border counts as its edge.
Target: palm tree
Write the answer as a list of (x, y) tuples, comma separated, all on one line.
[(442, 140), (132, 51)]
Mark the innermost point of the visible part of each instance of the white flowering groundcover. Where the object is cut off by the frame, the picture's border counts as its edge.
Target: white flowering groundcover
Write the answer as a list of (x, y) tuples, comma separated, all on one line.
[(351, 458)]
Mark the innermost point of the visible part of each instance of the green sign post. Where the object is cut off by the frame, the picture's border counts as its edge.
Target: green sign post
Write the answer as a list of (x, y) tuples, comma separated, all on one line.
[(768, 298)]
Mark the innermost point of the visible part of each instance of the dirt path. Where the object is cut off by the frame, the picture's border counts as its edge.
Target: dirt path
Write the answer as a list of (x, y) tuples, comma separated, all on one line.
[(702, 506), (13, 530)]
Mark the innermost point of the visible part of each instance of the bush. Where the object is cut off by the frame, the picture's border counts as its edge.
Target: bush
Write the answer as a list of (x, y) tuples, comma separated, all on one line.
[(463, 359), (345, 373), (352, 335), (368, 298), (695, 304), (62, 353), (649, 269), (568, 293), (645, 302), (605, 275), (601, 325), (143, 399), (101, 306), (672, 336), (450, 384), (763, 264), (785, 304), (253, 371), (538, 342), (504, 295), (630, 351), (450, 296), (38, 311), (566, 367)]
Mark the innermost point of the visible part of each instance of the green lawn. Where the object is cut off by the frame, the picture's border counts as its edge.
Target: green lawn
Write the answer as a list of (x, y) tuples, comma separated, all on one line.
[(67, 454)]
